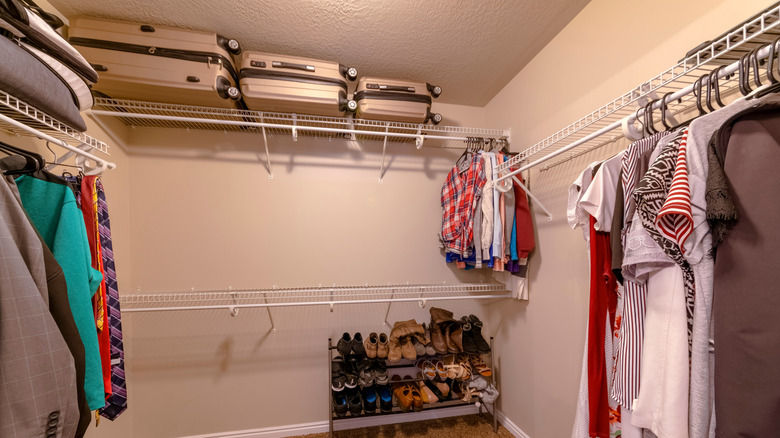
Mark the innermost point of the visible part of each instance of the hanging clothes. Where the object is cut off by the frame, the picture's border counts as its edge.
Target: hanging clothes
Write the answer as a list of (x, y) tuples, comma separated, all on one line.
[(457, 200), (38, 395), (52, 208)]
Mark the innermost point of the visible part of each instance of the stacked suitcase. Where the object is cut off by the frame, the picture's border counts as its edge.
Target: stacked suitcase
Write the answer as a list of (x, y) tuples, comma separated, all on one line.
[(162, 64)]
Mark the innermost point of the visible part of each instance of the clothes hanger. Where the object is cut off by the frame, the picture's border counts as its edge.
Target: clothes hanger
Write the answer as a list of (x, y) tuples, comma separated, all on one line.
[(649, 118), (663, 110), (715, 80), (743, 67), (463, 161), (774, 84), (55, 163), (33, 162)]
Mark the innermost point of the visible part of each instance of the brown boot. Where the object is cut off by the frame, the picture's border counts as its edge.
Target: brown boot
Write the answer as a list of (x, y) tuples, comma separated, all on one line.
[(437, 339), (440, 316), (456, 333), (407, 348), (452, 347), (371, 344), (403, 328), (382, 348), (394, 350)]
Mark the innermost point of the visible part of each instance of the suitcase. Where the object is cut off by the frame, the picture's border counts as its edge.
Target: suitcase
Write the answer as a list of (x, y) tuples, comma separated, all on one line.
[(23, 22), (396, 101), (289, 84), (159, 64)]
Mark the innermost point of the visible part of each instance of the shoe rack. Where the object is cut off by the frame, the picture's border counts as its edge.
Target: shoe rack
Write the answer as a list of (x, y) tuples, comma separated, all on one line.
[(448, 408)]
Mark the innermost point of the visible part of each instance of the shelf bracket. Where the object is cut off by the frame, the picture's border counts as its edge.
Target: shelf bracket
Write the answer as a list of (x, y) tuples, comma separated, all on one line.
[(295, 127), (422, 300), (533, 198), (267, 155), (384, 149), (268, 310), (233, 310), (418, 142)]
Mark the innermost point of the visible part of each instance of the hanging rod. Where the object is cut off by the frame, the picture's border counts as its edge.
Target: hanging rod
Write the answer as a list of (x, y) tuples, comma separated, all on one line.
[(760, 29), (629, 120), (233, 299)]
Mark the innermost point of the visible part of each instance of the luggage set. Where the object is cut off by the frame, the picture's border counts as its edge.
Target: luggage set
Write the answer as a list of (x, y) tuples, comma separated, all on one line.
[(164, 64)]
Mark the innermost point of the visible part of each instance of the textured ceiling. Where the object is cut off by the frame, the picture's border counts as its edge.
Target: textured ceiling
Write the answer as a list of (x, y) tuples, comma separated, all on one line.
[(471, 48)]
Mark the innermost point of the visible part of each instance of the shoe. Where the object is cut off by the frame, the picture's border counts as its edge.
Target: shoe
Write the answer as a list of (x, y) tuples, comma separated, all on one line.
[(426, 394), (419, 348), (403, 395), (369, 400), (489, 395), (429, 350), (382, 349), (357, 345), (435, 390), (385, 394), (405, 328), (452, 347), (380, 373), (469, 345), (417, 403), (476, 329), (354, 402), (366, 374), (427, 369), (394, 352), (340, 404), (338, 378), (440, 316), (441, 372), (478, 364), (344, 346), (437, 339), (407, 349), (370, 345), (457, 390), (349, 370), (456, 334)]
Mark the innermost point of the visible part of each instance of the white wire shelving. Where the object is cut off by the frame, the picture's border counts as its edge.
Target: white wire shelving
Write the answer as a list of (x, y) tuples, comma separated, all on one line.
[(236, 299), (19, 118), (584, 133)]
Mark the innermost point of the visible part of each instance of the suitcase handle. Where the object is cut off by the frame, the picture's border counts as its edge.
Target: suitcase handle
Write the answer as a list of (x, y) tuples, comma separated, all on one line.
[(304, 67), (390, 88)]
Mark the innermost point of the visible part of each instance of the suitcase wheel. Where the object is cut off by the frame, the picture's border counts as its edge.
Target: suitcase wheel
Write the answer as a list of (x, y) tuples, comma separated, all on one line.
[(235, 94), (436, 118), (435, 90), (352, 105), (234, 47), (352, 74)]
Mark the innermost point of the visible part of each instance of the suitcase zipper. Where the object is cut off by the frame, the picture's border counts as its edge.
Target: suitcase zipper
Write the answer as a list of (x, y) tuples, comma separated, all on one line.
[(184, 55), (385, 95), (294, 77)]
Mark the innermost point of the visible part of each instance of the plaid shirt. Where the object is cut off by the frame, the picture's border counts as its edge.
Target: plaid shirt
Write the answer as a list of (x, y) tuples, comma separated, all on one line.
[(458, 198)]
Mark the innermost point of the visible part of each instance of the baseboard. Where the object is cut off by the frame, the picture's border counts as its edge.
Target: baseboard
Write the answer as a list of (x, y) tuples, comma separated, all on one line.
[(271, 432), (511, 427)]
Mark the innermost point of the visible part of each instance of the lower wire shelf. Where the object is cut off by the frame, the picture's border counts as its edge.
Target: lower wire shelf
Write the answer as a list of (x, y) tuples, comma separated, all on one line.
[(398, 410)]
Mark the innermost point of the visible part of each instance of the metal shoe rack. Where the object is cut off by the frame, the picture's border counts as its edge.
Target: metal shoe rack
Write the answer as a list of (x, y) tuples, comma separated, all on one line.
[(449, 408)]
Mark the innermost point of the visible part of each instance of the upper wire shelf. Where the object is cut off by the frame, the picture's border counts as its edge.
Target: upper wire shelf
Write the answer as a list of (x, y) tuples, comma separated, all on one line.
[(162, 115), (760, 30), (40, 121)]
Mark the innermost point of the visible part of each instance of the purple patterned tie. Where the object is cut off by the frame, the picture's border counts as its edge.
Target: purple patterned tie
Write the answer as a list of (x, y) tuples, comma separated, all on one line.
[(117, 401)]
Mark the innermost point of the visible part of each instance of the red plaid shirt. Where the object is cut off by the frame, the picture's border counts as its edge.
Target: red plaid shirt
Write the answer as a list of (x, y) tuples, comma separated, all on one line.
[(458, 200)]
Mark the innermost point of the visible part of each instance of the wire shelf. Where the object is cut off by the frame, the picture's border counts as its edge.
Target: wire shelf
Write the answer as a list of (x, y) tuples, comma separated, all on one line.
[(162, 115), (39, 120), (760, 30), (233, 299)]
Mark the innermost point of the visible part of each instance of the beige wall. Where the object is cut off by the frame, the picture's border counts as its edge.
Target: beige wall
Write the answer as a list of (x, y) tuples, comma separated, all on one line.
[(608, 49)]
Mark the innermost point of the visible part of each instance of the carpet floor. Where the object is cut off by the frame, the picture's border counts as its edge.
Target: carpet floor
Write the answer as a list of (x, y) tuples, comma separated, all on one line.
[(469, 426)]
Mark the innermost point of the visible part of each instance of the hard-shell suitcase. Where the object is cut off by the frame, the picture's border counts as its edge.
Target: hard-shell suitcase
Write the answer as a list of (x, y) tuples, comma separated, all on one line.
[(289, 84), (159, 64), (395, 100)]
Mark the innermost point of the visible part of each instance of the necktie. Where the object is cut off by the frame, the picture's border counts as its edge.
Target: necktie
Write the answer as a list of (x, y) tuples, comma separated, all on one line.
[(117, 401)]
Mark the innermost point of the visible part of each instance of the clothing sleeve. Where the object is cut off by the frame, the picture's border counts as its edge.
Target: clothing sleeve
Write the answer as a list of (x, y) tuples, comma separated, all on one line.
[(524, 224)]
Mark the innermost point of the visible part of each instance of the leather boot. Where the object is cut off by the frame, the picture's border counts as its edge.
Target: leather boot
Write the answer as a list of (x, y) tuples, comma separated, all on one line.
[(371, 345), (440, 316), (437, 338), (469, 345), (456, 334), (452, 347), (394, 350), (479, 340), (382, 348), (429, 350), (407, 348)]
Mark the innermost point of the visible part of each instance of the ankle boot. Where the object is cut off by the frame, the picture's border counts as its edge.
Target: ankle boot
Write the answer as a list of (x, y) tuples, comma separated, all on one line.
[(371, 345), (407, 348), (456, 334), (479, 340), (382, 348), (429, 350), (437, 338), (440, 316), (469, 345), (452, 347), (394, 350)]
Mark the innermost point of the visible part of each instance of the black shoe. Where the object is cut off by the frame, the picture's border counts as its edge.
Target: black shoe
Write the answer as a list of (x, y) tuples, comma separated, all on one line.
[(434, 389), (380, 373), (385, 396), (344, 346), (338, 378), (369, 400), (340, 403), (469, 345), (357, 345), (476, 329), (354, 401)]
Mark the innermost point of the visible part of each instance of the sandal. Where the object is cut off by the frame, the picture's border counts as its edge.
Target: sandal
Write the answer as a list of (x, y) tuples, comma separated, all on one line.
[(428, 396), (403, 394), (440, 370), (417, 402), (480, 366), (427, 367)]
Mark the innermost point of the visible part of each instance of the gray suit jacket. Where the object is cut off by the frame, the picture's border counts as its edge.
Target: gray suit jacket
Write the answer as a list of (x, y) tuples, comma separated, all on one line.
[(38, 396)]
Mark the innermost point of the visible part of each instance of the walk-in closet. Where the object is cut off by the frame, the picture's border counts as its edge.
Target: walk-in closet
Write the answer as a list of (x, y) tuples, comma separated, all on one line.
[(266, 219)]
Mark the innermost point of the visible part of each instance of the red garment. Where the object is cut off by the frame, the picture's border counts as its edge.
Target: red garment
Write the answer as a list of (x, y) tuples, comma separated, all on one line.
[(88, 210), (458, 195), (603, 303), (524, 226)]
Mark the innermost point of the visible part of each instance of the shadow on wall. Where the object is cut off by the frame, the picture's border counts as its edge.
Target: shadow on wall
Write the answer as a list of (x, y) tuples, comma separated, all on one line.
[(336, 153)]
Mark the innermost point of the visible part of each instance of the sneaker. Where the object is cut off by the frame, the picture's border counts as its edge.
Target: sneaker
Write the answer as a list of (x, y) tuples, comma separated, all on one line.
[(385, 398), (344, 345), (380, 373), (369, 399), (354, 402), (338, 378), (340, 404), (366, 374)]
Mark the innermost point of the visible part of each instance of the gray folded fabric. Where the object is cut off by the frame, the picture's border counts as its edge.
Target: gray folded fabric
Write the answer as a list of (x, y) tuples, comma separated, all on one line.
[(26, 78)]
